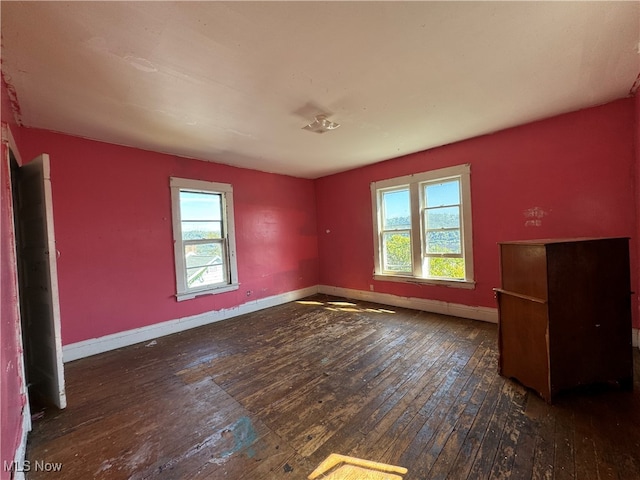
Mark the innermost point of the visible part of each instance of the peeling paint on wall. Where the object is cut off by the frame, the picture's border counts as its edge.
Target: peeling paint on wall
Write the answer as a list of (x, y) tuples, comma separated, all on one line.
[(533, 216), (13, 99), (636, 85)]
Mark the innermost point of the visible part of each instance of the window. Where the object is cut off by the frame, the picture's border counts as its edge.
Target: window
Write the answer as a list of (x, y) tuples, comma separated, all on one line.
[(203, 236), (422, 227)]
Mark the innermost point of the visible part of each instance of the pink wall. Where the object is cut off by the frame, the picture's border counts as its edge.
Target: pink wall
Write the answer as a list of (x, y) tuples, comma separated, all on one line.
[(575, 168), (12, 400), (112, 216)]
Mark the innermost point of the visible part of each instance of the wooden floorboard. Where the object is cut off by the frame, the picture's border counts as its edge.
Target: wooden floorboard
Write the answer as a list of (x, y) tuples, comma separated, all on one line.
[(271, 394)]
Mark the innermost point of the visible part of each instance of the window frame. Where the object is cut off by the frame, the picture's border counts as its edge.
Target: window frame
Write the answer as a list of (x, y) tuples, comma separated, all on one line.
[(415, 183), (177, 185)]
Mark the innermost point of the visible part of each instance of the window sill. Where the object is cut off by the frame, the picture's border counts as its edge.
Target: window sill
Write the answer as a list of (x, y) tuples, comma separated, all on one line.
[(469, 285), (209, 291)]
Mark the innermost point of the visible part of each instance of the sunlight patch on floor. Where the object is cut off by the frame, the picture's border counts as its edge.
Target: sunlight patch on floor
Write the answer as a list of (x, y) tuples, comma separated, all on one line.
[(342, 467), (342, 306)]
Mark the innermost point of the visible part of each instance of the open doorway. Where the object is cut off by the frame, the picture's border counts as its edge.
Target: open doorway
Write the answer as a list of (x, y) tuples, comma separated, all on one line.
[(36, 256)]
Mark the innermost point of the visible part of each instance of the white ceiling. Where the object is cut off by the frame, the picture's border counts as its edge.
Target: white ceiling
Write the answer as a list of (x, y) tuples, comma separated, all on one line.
[(235, 82)]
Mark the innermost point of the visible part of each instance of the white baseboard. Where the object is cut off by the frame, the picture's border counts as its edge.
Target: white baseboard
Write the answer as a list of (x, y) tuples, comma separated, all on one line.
[(94, 346), (486, 314)]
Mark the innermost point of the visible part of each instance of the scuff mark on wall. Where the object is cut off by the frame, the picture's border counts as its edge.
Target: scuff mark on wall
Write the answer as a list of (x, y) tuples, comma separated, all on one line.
[(533, 216)]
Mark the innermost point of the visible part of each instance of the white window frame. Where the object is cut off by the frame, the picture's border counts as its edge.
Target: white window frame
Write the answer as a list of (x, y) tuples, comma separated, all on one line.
[(183, 292), (415, 183)]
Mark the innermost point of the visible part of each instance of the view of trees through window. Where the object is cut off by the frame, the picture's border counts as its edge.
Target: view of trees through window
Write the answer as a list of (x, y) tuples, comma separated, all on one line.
[(398, 256), (443, 236)]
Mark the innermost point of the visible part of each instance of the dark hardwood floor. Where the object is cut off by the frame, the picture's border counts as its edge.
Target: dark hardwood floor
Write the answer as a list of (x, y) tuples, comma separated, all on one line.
[(269, 395)]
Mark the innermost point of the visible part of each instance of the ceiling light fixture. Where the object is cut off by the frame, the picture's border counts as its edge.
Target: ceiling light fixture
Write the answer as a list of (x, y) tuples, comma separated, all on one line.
[(321, 124)]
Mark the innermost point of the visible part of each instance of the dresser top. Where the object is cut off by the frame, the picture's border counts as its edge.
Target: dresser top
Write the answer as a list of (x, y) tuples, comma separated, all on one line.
[(547, 241)]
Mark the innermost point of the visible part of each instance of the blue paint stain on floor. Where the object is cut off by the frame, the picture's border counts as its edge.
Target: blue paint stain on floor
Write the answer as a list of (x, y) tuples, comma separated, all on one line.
[(244, 435)]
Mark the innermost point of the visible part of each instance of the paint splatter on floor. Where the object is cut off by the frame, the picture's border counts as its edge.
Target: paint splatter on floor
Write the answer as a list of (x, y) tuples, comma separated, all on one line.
[(243, 435)]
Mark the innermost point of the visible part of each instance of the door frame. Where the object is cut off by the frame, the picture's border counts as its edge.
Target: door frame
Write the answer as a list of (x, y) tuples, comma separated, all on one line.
[(58, 400), (45, 253)]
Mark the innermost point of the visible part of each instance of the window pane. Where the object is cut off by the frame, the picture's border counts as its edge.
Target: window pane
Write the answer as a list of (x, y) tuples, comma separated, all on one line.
[(201, 230), (447, 193), (204, 264), (196, 254), (204, 276), (397, 252), (443, 217), (446, 268), (200, 206), (444, 241), (397, 210)]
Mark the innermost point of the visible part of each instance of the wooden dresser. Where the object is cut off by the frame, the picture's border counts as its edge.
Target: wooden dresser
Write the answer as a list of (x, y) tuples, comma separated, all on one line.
[(565, 313)]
